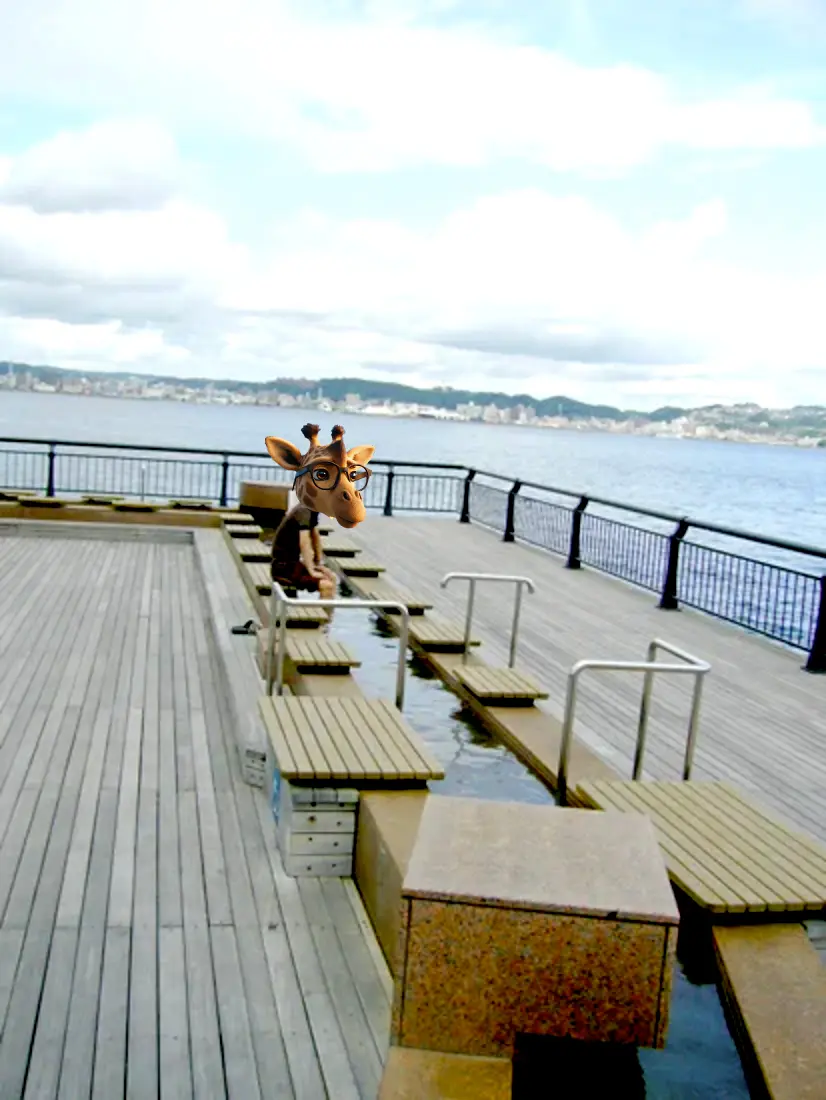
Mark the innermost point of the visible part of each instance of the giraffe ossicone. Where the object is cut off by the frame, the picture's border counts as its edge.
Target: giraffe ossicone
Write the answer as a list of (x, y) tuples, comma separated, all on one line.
[(321, 466)]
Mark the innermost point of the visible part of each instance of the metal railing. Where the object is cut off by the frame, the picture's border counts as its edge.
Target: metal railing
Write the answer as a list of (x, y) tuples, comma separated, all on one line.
[(473, 579), (691, 666), (279, 602), (775, 587)]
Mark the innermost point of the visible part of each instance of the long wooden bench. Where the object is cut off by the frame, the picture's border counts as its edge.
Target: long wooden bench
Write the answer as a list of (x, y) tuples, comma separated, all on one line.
[(370, 588), (773, 986), (434, 633), (726, 854), (243, 530), (360, 567), (309, 653), (336, 546), (502, 686), (254, 551), (353, 741)]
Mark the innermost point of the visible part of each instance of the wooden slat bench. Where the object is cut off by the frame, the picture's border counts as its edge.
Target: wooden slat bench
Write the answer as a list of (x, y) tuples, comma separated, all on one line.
[(45, 502), (253, 551), (134, 506), (501, 686), (336, 546), (356, 567), (243, 530), (433, 631), (100, 498), (314, 653), (773, 986), (235, 517), (379, 589), (192, 505), (727, 855), (352, 741)]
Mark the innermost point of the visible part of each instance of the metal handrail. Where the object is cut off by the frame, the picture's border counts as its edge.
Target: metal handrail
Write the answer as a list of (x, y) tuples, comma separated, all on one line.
[(693, 666), (279, 598), (472, 578)]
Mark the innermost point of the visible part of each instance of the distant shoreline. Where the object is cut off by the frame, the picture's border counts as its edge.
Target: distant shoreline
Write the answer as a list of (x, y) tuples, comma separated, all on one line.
[(601, 427)]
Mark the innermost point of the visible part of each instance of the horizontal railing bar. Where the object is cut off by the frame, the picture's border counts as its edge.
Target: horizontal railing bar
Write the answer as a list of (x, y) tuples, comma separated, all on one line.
[(393, 464), (156, 449)]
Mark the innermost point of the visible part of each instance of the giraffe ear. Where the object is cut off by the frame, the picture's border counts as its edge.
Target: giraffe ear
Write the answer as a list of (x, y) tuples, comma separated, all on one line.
[(360, 455), (284, 453)]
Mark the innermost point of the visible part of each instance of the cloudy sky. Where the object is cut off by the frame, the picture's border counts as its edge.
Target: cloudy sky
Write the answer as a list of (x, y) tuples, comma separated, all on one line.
[(620, 200)]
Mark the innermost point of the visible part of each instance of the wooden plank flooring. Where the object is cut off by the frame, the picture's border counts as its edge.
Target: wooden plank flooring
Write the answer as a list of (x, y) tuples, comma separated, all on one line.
[(150, 942), (763, 724)]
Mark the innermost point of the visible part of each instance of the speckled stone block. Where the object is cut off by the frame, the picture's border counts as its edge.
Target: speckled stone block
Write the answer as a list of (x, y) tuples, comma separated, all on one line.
[(532, 919)]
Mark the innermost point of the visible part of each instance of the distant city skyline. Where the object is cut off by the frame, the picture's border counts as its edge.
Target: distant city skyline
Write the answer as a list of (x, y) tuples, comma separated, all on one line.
[(746, 423)]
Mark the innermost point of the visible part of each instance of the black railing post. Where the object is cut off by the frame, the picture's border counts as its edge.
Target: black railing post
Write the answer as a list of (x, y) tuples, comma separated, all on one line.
[(224, 480), (510, 528), (668, 599), (50, 472), (465, 516), (574, 560), (388, 496), (817, 654)]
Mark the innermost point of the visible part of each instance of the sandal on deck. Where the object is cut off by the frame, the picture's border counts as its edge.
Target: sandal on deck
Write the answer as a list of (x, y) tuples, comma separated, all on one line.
[(249, 627)]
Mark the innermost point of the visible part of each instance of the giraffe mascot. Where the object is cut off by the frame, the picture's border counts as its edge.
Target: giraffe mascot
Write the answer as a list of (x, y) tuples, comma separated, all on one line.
[(329, 480)]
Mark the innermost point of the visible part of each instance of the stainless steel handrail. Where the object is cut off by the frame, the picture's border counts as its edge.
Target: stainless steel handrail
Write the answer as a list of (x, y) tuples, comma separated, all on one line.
[(473, 578), (278, 598), (693, 666)]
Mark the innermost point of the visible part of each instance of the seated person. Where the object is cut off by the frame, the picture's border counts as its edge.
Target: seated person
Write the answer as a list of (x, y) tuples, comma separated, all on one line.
[(297, 553)]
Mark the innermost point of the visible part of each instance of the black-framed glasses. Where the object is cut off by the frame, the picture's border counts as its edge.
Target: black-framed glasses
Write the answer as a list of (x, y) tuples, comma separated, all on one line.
[(326, 475)]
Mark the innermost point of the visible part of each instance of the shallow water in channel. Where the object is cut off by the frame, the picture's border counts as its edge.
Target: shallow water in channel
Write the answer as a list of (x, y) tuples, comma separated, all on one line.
[(700, 1060)]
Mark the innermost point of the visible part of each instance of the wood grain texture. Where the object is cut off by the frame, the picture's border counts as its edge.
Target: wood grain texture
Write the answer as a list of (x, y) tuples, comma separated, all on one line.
[(150, 943), (763, 721)]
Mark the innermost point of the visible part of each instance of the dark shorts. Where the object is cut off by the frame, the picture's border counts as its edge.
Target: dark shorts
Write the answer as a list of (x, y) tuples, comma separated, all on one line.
[(293, 575)]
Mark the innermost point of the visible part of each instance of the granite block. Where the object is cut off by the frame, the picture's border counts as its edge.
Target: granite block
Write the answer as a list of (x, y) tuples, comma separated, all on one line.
[(520, 919), (385, 834), (475, 977), (541, 857)]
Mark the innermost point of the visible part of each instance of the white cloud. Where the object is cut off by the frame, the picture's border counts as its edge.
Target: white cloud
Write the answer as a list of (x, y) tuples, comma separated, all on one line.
[(522, 290), (368, 94), (108, 254), (128, 165)]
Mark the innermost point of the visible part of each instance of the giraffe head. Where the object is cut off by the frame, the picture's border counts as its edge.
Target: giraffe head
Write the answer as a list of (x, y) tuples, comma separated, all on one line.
[(328, 479)]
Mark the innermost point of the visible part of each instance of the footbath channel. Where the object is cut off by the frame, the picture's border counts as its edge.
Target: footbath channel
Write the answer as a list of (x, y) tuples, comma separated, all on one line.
[(700, 1058)]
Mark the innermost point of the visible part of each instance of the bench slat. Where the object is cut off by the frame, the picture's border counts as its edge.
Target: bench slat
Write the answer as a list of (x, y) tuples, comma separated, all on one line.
[(498, 683), (732, 851), (347, 739)]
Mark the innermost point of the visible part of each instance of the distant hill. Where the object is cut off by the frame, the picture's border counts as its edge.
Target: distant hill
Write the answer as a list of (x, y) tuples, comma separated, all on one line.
[(804, 420), (336, 389)]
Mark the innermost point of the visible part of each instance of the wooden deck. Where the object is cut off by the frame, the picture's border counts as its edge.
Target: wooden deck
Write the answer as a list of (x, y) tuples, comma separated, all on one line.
[(763, 725), (150, 941)]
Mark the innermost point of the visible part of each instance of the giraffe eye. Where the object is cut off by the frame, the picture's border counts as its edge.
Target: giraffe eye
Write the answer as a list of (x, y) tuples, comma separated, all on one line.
[(323, 476), (359, 476)]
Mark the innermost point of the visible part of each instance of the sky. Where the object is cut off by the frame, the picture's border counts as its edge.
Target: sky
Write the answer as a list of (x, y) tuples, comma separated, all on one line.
[(617, 200)]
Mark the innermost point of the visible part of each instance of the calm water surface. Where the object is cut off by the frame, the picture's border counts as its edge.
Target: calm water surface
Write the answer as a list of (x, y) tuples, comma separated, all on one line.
[(777, 491)]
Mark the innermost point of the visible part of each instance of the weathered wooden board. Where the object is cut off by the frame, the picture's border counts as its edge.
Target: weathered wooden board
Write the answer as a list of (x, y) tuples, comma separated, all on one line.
[(346, 739), (723, 851)]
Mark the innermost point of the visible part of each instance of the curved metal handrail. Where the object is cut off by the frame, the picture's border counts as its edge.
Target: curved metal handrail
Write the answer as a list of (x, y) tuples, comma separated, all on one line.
[(279, 599), (692, 666), (473, 578)]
